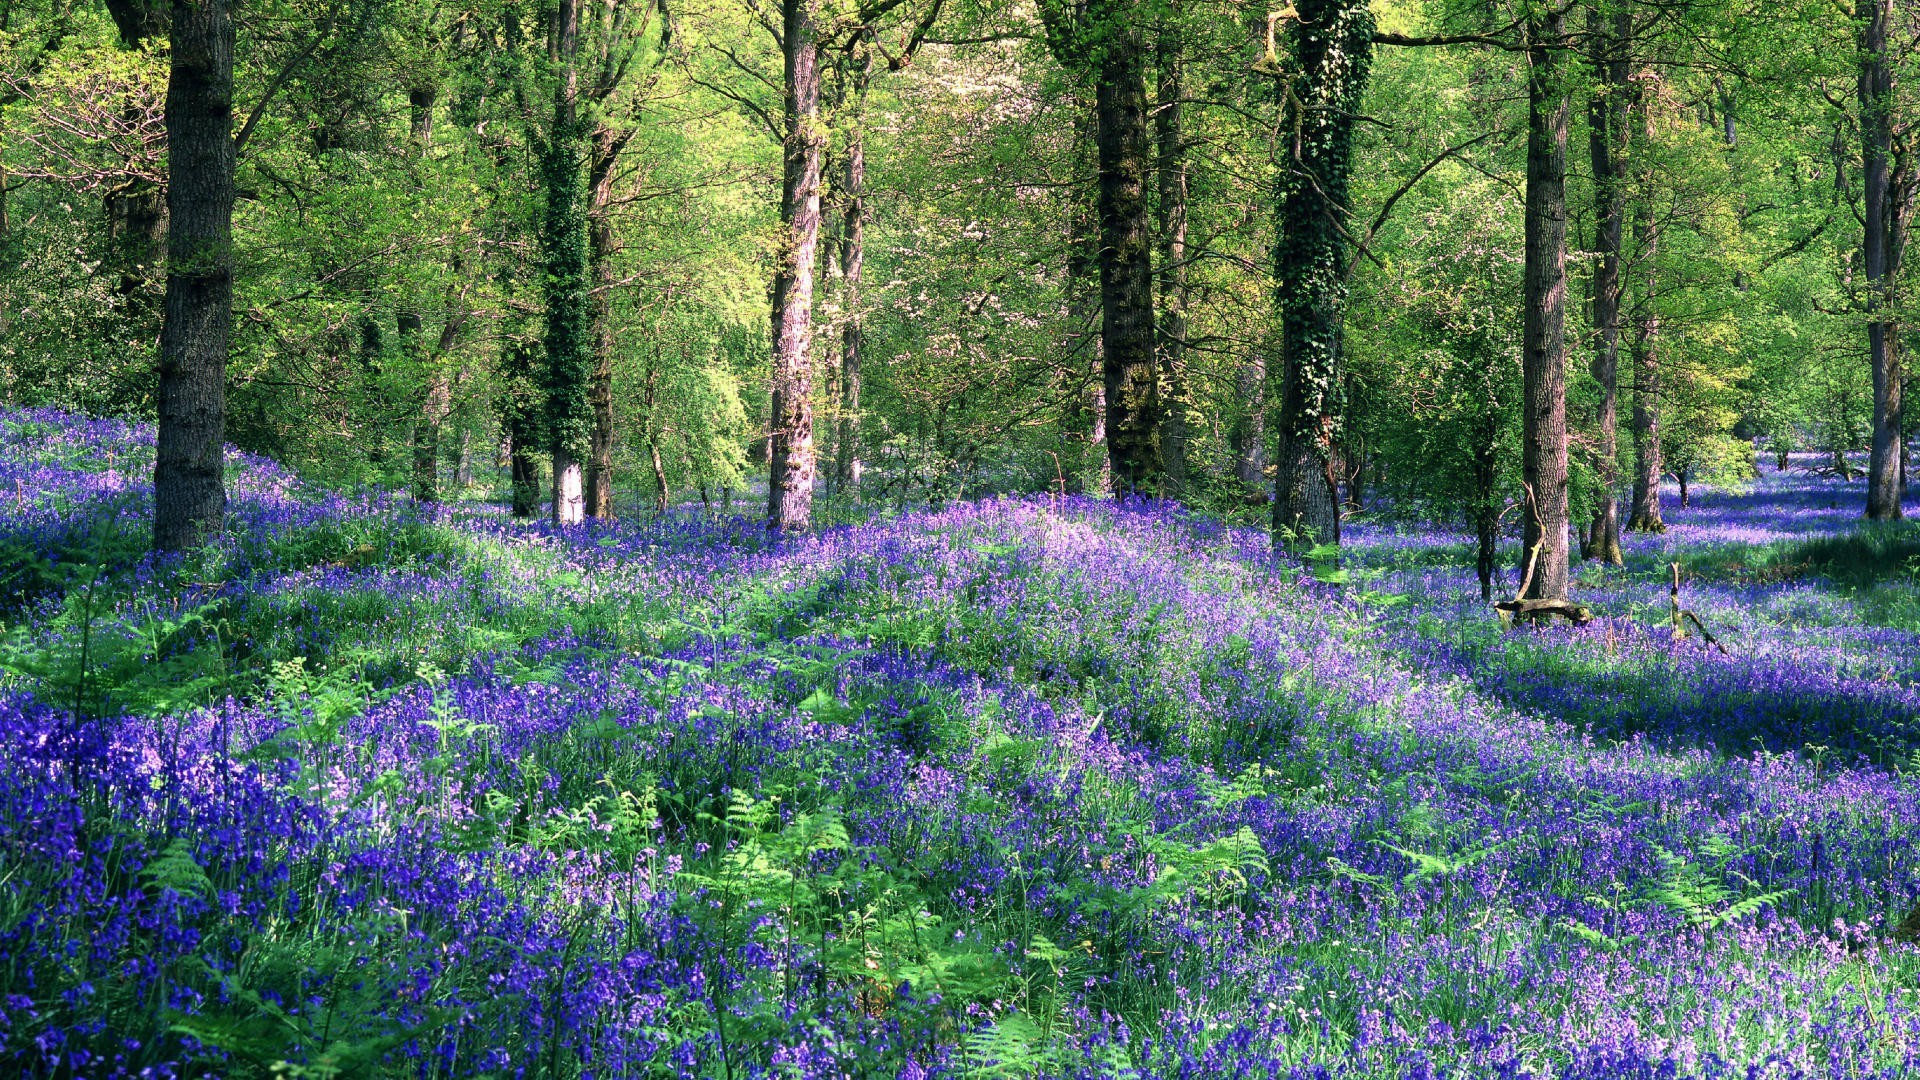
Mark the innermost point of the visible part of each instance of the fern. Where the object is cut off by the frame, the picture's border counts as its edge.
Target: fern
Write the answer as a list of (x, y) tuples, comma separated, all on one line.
[(175, 869)]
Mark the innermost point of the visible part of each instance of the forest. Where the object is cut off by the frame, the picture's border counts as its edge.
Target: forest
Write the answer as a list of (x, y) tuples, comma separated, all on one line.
[(912, 539)]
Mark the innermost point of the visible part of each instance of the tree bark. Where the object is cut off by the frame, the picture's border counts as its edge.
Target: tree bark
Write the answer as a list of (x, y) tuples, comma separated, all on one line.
[(1333, 43), (136, 209), (1248, 436), (853, 253), (564, 243), (607, 145), (1129, 380), (790, 446), (521, 415), (1606, 141), (1884, 495), (1543, 439), (1649, 466), (1083, 347), (189, 484), (1173, 186)]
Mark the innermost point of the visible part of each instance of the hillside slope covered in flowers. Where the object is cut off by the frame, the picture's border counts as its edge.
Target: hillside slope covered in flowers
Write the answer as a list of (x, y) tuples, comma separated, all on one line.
[(1013, 789)]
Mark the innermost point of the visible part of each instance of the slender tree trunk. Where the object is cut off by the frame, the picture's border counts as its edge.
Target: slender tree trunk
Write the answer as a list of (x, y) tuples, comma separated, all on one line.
[(1876, 137), (1606, 141), (607, 145), (1172, 147), (1543, 439), (463, 472), (1126, 265), (136, 208), (564, 242), (1083, 345), (1486, 517), (189, 483), (1248, 436), (1333, 43), (434, 391), (853, 253), (790, 475), (1648, 463)]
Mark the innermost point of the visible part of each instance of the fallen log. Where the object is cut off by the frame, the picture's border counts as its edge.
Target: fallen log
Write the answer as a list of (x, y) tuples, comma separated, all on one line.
[(1577, 614)]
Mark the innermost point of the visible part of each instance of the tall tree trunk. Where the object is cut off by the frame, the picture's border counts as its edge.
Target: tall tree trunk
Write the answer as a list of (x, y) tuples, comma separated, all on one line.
[(790, 446), (435, 393), (1543, 440), (564, 240), (1333, 44), (853, 253), (1083, 349), (136, 208), (1172, 147), (1130, 383), (650, 401), (521, 414), (189, 484), (1606, 141), (1876, 138), (607, 144), (1648, 464), (1248, 436), (1486, 515)]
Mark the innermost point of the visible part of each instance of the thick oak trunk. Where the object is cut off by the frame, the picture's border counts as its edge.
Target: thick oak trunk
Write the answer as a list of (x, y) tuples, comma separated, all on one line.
[(1881, 220), (1543, 439), (1606, 142), (1129, 380), (189, 489), (790, 444)]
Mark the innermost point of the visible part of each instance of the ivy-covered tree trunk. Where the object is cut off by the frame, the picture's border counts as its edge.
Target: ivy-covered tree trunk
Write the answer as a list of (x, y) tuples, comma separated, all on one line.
[(1880, 219), (563, 236), (1333, 44), (1130, 380), (1170, 137), (607, 144), (790, 445), (1606, 142), (189, 482), (1543, 436)]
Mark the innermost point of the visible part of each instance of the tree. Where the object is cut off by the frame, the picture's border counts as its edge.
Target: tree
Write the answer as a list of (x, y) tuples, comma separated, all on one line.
[(563, 243), (1609, 35), (1332, 45), (1543, 440), (1887, 205), (189, 488), (1103, 40)]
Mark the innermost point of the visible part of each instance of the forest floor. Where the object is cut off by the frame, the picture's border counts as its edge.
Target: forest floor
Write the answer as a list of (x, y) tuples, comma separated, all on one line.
[(1016, 788)]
